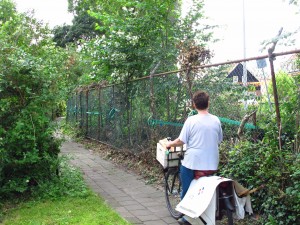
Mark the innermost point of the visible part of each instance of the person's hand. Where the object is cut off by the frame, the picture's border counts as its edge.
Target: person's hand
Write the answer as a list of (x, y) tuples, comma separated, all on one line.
[(168, 145)]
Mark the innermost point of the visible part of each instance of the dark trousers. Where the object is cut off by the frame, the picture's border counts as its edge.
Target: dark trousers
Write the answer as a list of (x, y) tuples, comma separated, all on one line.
[(186, 177)]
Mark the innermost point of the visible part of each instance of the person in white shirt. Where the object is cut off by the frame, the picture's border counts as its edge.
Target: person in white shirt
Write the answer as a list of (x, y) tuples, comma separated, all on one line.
[(202, 134)]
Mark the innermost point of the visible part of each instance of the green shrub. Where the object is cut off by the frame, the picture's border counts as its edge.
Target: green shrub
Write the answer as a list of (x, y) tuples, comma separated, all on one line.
[(29, 153), (32, 87), (256, 164), (69, 182), (67, 185), (262, 163)]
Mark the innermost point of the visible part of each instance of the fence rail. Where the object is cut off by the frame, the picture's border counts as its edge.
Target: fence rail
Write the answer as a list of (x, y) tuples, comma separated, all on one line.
[(134, 115)]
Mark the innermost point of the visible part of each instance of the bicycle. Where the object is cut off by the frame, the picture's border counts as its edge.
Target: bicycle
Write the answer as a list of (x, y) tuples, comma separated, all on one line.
[(172, 189)]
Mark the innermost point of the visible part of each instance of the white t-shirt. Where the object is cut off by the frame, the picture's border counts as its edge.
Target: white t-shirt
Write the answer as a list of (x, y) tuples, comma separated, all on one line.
[(202, 134)]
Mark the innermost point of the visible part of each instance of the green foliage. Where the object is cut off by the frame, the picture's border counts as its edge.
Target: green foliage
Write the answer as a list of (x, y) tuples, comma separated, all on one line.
[(32, 88), (262, 164), (65, 199), (288, 96), (7, 11), (138, 37), (82, 28), (30, 153), (71, 130), (67, 182)]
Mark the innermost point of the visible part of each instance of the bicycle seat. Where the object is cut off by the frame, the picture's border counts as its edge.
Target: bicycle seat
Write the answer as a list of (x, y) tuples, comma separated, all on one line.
[(203, 173)]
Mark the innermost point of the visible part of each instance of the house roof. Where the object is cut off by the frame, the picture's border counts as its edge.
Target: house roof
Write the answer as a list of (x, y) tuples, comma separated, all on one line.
[(238, 71)]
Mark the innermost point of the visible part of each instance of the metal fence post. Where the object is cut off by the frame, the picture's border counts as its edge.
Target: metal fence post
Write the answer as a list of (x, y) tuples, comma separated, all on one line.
[(86, 112), (99, 114)]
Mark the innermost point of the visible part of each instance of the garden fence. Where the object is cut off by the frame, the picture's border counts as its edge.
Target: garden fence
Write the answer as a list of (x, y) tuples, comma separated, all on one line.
[(136, 114)]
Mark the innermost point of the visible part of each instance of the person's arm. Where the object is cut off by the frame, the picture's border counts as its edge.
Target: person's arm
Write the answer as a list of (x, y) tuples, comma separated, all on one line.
[(183, 137), (220, 133), (175, 143)]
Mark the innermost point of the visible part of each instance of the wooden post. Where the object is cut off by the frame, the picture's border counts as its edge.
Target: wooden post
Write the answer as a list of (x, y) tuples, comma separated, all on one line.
[(271, 59)]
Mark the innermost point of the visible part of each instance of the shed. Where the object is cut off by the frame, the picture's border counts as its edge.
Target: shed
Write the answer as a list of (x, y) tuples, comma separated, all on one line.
[(238, 72)]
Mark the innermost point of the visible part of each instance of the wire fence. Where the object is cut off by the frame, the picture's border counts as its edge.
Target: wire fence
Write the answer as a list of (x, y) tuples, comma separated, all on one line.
[(136, 114)]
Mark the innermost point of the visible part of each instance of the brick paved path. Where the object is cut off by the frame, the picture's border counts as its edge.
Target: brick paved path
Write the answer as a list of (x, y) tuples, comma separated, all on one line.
[(135, 201)]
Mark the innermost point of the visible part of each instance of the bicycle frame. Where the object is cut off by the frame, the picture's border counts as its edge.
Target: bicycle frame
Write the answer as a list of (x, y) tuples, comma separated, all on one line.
[(173, 186), (172, 189)]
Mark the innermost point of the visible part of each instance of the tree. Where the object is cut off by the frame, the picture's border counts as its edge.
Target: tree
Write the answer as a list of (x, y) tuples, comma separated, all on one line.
[(7, 10), (138, 36), (33, 82), (82, 28)]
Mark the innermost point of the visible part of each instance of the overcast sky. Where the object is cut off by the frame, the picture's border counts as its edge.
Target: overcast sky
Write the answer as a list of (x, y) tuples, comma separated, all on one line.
[(53, 12), (263, 19)]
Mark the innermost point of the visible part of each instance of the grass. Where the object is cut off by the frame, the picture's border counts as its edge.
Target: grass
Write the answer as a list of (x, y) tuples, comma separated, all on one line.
[(89, 210), (65, 199)]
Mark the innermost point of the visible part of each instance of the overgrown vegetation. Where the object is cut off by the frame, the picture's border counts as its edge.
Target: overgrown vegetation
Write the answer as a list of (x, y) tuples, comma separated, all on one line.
[(263, 164), (137, 37), (31, 71), (132, 39), (65, 200)]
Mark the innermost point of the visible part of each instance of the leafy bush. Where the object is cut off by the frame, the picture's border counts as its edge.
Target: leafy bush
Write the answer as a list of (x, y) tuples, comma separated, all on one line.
[(69, 182), (263, 164), (288, 96), (29, 153), (32, 87), (256, 164)]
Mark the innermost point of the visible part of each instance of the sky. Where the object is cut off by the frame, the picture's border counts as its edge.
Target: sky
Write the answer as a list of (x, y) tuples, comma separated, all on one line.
[(52, 12), (263, 19)]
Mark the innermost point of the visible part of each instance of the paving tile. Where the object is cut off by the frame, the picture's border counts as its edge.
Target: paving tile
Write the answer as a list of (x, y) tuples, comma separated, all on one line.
[(134, 220), (140, 212), (147, 218), (127, 193), (156, 222)]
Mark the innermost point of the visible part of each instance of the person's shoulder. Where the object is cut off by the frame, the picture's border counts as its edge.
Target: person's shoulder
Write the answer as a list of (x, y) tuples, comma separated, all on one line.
[(190, 118), (214, 117)]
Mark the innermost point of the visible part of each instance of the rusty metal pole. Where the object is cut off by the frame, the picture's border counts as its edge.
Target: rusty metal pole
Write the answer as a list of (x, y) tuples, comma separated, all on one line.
[(99, 114), (271, 60), (86, 113)]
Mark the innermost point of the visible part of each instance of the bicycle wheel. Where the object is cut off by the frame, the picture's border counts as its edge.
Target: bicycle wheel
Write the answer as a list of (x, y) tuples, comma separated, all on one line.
[(225, 202), (229, 217), (172, 191)]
